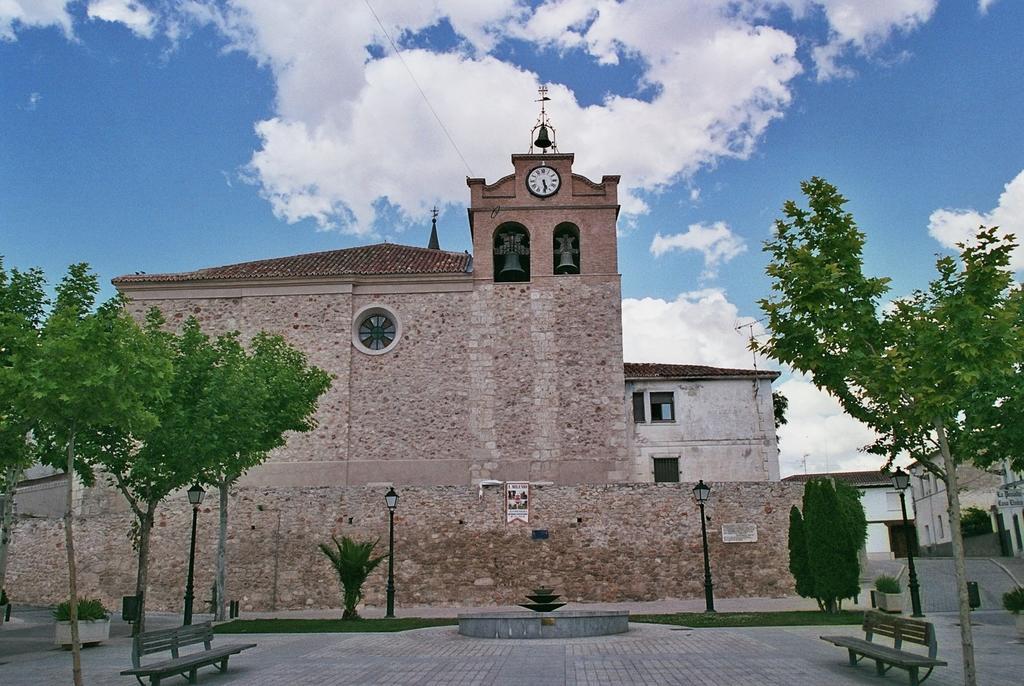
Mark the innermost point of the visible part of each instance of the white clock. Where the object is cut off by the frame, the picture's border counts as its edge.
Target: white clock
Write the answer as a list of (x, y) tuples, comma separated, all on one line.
[(543, 181)]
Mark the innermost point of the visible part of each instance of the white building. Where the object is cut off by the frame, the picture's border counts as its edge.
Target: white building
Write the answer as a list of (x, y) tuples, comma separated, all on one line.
[(1009, 510), (882, 510), (977, 489)]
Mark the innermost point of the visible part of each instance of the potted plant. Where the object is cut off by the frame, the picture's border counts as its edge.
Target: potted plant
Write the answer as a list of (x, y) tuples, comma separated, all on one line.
[(1013, 601), (888, 594), (4, 603), (93, 622)]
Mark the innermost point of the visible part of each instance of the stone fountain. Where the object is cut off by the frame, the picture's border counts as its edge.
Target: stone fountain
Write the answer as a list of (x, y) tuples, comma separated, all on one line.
[(541, 621)]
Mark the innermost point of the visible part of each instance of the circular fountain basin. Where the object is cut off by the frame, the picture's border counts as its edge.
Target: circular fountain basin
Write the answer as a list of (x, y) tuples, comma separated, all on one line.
[(561, 624)]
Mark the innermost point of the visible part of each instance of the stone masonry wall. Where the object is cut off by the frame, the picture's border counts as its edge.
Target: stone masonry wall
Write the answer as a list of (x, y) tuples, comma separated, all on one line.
[(606, 543)]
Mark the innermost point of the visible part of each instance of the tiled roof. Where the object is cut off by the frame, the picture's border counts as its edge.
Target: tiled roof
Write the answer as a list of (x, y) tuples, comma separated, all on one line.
[(652, 370), (869, 478), (366, 260)]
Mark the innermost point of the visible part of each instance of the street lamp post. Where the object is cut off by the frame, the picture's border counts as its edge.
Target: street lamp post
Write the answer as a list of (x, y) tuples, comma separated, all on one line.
[(701, 492), (391, 500), (195, 496), (900, 481)]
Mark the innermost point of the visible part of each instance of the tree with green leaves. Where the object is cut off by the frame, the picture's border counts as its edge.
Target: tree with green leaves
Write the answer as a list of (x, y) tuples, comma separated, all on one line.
[(353, 561), (92, 369), (798, 565), (147, 466), (261, 395), (831, 544), (22, 302), (937, 374)]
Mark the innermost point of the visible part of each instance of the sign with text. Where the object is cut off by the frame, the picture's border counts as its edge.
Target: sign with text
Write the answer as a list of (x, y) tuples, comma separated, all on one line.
[(1010, 496), (739, 533), (517, 501)]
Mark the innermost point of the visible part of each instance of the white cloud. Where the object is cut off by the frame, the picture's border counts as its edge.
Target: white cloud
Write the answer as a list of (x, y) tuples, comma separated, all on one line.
[(952, 226), (983, 5), (863, 26), (19, 14), (818, 428), (133, 15), (717, 243), (700, 327)]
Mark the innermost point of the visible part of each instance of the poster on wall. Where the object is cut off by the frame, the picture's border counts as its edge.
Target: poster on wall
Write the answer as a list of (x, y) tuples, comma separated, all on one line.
[(517, 501)]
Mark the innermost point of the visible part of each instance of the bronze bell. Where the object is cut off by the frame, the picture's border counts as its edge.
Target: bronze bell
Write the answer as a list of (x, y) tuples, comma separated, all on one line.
[(543, 141), (566, 265), (512, 266)]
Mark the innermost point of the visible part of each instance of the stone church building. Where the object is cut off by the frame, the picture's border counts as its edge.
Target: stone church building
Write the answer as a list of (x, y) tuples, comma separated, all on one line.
[(506, 364), (454, 372)]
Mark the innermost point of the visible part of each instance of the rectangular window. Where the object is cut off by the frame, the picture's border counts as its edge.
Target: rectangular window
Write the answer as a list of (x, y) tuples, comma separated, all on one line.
[(942, 531), (892, 502), (639, 417), (666, 470), (663, 407)]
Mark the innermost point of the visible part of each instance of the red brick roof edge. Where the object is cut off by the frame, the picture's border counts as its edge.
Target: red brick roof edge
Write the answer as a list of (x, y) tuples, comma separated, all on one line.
[(655, 370), (864, 478), (379, 259)]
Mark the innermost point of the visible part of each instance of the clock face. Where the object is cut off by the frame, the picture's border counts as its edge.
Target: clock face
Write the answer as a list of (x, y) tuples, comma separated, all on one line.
[(543, 181)]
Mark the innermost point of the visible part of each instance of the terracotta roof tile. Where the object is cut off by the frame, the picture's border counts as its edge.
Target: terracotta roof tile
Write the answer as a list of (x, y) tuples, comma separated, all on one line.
[(868, 478), (644, 370), (367, 260)]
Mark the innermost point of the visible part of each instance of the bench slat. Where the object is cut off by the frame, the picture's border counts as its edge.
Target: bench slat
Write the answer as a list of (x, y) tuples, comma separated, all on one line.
[(887, 654)]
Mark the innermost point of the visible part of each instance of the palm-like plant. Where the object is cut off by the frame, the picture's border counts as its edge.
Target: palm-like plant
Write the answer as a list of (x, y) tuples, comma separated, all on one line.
[(353, 561)]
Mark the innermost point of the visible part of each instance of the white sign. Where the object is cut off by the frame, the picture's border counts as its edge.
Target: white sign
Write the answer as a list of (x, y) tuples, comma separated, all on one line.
[(1010, 496), (517, 501), (739, 533)]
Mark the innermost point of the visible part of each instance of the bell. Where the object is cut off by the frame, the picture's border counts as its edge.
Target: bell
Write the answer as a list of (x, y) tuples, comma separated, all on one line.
[(512, 267), (566, 264), (543, 141)]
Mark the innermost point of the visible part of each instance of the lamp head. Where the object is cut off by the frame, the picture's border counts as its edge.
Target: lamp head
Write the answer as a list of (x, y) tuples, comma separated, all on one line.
[(196, 495), (701, 492), (391, 499), (900, 479)]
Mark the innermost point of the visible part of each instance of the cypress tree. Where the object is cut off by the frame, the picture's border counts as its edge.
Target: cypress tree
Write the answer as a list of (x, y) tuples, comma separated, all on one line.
[(798, 566), (829, 545)]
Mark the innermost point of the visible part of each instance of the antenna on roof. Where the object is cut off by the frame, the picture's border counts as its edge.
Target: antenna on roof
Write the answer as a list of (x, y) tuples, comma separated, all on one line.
[(539, 136), (433, 244)]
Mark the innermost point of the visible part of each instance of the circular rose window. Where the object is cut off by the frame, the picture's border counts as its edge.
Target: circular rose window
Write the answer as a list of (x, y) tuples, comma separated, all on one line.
[(376, 330)]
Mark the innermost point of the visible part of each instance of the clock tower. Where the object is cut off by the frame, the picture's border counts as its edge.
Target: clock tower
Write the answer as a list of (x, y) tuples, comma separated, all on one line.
[(545, 341)]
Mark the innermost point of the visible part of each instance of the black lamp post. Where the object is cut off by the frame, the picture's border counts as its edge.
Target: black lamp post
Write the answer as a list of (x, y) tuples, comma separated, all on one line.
[(391, 499), (195, 496), (701, 492), (900, 481)]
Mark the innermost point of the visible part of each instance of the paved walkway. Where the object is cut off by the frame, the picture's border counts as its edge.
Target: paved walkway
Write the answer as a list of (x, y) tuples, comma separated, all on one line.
[(648, 654)]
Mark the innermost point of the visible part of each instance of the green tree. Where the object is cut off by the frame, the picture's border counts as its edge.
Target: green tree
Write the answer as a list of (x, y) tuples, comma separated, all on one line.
[(253, 400), (831, 545), (147, 466), (975, 522), (21, 314), (92, 369), (938, 375), (798, 565), (353, 561)]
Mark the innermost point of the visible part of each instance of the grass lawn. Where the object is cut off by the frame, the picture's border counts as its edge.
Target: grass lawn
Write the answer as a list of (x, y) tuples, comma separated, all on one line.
[(328, 626), (688, 619), (795, 618)]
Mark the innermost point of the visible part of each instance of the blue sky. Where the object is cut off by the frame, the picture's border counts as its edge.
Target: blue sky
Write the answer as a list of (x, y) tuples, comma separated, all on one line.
[(167, 136)]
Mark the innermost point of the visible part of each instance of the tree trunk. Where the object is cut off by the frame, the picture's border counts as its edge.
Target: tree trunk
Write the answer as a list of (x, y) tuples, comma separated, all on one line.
[(222, 552), (6, 519), (142, 575), (959, 563), (69, 541)]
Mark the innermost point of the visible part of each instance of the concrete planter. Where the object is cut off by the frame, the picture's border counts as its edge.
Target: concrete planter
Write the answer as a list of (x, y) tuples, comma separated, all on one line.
[(89, 631), (889, 602)]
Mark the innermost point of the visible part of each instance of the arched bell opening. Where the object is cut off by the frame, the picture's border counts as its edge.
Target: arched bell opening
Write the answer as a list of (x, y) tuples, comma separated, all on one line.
[(511, 253), (566, 249)]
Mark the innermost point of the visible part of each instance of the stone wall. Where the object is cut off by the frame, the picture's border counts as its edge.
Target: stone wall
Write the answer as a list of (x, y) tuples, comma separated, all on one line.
[(606, 543)]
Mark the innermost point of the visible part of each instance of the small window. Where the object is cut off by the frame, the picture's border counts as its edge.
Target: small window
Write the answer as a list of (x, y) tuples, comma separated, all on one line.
[(942, 530), (666, 470), (663, 407), (376, 330), (892, 502), (639, 416)]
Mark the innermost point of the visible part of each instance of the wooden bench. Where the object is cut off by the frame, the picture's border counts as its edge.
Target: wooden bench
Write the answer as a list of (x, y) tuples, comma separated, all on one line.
[(172, 640), (901, 630)]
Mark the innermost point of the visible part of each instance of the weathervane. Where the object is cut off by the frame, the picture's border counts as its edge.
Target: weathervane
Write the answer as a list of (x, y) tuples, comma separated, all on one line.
[(539, 136)]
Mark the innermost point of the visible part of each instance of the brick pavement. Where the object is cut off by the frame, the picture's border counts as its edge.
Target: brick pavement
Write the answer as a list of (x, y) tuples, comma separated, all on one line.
[(649, 655)]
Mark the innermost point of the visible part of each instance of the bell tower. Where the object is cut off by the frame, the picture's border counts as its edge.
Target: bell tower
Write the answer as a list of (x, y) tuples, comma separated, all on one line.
[(546, 336)]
